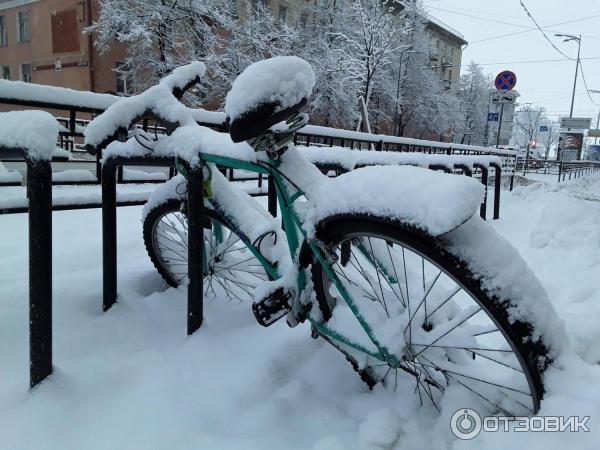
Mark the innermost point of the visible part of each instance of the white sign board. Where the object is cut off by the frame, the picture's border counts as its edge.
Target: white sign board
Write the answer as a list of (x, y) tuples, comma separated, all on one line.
[(594, 132), (569, 155), (578, 123)]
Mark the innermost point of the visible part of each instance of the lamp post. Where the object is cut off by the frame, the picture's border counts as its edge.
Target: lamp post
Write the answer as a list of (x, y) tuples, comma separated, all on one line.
[(568, 38), (397, 122)]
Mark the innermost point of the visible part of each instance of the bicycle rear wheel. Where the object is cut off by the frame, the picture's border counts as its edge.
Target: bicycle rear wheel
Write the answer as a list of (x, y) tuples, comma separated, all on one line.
[(432, 313), (232, 271)]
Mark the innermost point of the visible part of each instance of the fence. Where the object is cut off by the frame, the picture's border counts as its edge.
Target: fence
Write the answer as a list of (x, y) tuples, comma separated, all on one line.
[(74, 109), (561, 169), (39, 194)]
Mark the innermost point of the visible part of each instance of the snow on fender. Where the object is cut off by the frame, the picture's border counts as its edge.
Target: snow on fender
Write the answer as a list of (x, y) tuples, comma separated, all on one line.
[(504, 274), (430, 201)]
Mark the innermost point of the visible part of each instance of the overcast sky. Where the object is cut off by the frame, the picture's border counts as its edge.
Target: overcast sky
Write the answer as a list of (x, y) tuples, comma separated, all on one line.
[(547, 84)]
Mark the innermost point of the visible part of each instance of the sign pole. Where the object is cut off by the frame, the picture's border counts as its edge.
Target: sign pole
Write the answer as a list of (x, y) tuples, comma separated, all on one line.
[(500, 124)]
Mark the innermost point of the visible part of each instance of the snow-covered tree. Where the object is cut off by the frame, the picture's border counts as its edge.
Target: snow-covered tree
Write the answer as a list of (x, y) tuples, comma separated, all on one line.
[(527, 124), (548, 138), (375, 31), (334, 101), (162, 34), (473, 93), (425, 106), (377, 50)]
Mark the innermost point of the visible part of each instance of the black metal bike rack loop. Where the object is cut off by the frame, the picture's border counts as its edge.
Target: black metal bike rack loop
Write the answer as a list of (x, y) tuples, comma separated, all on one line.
[(39, 192), (195, 218), (39, 195)]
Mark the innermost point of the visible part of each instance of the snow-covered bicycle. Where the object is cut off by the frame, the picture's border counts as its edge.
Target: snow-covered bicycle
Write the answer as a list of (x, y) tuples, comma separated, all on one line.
[(388, 264)]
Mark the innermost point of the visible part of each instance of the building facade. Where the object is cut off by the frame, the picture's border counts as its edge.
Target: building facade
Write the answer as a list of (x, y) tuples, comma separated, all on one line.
[(447, 45), (43, 41)]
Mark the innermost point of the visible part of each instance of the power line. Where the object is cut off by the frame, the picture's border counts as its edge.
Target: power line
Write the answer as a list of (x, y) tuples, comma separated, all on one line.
[(479, 11), (481, 18), (586, 86), (534, 61), (528, 30), (542, 31)]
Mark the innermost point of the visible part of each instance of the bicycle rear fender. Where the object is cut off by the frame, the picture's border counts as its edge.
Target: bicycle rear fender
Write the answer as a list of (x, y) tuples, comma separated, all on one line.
[(431, 202)]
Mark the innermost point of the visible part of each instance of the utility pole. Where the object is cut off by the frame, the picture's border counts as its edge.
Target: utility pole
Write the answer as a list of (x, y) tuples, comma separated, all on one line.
[(500, 124), (487, 121), (397, 122), (570, 37)]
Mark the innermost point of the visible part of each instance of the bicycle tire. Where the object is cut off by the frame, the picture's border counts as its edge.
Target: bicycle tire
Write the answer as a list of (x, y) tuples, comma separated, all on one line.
[(177, 206), (531, 354)]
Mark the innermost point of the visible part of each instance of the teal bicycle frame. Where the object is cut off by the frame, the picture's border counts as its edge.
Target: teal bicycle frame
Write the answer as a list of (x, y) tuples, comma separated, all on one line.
[(296, 236)]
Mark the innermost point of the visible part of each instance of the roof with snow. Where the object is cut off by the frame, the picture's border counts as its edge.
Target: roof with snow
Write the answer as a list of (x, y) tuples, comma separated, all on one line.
[(437, 23)]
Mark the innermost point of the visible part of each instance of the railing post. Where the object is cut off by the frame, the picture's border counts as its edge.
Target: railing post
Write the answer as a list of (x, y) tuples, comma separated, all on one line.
[(39, 193), (497, 189), (99, 166), (484, 181), (195, 200), (271, 196), (109, 235)]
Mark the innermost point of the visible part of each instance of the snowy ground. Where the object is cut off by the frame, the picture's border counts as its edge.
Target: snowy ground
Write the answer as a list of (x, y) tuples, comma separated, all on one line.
[(131, 378)]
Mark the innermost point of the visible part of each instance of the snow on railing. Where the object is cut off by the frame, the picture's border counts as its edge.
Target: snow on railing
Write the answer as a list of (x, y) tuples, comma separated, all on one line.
[(337, 133), (350, 160), (19, 91), (15, 92), (34, 132)]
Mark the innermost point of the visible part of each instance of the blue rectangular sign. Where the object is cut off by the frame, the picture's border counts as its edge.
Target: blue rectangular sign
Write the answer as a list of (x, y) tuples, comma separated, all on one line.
[(492, 117)]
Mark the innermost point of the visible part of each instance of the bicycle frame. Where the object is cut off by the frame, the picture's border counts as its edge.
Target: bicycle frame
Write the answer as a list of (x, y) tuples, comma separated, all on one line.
[(296, 236)]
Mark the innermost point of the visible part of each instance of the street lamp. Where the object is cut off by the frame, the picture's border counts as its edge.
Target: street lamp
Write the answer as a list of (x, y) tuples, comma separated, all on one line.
[(397, 122), (568, 38)]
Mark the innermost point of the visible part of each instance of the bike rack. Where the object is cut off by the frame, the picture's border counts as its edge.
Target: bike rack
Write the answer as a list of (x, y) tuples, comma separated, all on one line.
[(39, 193), (195, 218)]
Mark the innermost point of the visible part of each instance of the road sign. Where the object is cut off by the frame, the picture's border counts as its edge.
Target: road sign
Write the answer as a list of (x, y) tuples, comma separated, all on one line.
[(492, 117), (543, 128), (578, 123), (593, 132), (505, 81)]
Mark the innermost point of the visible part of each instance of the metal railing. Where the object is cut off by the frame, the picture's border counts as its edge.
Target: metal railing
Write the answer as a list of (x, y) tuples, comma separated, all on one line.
[(564, 170), (80, 111)]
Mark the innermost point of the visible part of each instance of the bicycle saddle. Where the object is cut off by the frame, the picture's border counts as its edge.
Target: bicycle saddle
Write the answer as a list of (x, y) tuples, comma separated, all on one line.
[(265, 93)]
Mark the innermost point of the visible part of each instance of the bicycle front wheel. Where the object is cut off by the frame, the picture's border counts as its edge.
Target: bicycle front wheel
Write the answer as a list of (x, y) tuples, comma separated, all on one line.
[(231, 270), (427, 309)]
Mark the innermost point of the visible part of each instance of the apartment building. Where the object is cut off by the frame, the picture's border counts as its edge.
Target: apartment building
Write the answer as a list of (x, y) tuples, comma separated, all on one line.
[(447, 43), (447, 46), (42, 41)]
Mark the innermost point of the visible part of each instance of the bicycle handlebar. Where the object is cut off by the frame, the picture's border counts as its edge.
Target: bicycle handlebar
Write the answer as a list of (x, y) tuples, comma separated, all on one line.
[(160, 103)]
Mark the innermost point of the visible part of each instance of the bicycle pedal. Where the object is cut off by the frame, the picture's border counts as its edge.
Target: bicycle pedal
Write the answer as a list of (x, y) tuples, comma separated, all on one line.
[(272, 308)]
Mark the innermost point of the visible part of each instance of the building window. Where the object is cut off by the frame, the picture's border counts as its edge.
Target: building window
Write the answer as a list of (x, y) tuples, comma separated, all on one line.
[(282, 13), (5, 72), (26, 73), (3, 32), (23, 26), (65, 31), (123, 80)]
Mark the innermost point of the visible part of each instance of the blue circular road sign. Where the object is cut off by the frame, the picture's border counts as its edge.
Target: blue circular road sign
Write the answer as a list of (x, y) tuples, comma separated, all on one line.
[(505, 81)]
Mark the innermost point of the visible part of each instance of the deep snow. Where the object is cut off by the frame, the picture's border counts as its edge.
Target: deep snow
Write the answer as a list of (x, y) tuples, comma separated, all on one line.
[(131, 378)]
